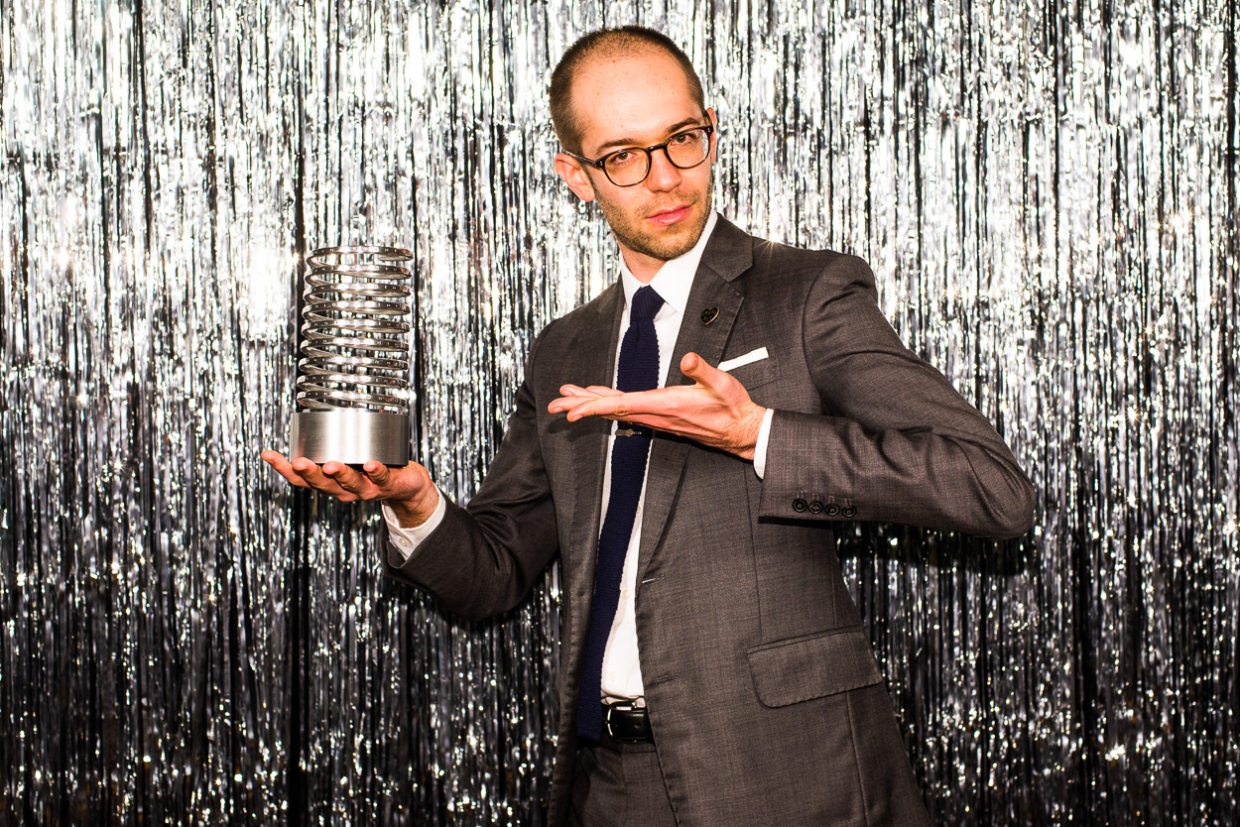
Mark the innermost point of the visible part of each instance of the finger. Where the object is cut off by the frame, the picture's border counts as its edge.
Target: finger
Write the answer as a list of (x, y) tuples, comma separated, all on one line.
[(381, 482), (574, 408), (378, 473), (570, 395), (275, 459), (345, 477), (578, 392), (563, 403), (574, 394), (283, 468), (619, 405), (579, 409), (315, 478), (399, 484), (657, 422)]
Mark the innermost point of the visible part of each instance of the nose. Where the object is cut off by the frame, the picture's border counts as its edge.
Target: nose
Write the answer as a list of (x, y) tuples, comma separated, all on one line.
[(663, 173)]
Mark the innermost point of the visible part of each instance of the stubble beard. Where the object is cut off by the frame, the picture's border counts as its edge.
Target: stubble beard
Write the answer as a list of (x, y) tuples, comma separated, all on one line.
[(630, 231)]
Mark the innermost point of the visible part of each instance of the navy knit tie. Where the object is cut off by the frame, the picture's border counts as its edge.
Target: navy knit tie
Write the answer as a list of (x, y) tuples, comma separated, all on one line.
[(639, 371)]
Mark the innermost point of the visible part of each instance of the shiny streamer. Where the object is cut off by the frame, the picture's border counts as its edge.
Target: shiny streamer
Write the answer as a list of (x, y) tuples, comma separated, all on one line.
[(1046, 191)]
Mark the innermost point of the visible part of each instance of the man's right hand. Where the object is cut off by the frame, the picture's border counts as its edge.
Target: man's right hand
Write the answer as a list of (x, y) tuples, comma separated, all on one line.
[(408, 491)]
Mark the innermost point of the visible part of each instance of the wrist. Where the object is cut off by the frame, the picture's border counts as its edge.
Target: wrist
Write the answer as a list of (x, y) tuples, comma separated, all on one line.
[(416, 510), (749, 433)]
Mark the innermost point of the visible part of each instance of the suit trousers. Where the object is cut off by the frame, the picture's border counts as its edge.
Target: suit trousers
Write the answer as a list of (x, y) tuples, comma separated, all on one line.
[(619, 785)]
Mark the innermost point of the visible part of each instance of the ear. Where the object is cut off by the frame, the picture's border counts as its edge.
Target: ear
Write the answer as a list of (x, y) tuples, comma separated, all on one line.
[(570, 169), (714, 136)]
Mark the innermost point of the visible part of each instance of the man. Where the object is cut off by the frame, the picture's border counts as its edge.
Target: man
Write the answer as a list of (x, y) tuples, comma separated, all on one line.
[(714, 670)]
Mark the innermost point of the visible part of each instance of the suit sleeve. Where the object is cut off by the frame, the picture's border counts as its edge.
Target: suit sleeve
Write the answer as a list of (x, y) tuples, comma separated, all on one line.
[(896, 443), (484, 558)]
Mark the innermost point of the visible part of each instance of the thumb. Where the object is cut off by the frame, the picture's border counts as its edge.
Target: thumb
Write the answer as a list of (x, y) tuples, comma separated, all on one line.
[(399, 482), (697, 369)]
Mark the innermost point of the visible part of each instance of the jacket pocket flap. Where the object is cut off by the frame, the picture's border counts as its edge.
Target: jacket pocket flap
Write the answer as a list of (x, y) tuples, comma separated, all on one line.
[(790, 671)]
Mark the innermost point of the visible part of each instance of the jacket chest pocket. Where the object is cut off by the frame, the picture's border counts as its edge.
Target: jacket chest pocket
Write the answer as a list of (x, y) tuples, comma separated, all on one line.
[(752, 367)]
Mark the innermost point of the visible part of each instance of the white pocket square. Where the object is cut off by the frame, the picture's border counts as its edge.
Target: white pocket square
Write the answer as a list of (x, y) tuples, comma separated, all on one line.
[(749, 358)]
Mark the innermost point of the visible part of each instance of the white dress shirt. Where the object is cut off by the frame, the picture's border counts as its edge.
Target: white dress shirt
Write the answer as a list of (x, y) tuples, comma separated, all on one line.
[(622, 674)]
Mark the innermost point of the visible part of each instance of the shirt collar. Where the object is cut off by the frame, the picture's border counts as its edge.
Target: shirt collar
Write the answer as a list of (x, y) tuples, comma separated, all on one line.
[(675, 277)]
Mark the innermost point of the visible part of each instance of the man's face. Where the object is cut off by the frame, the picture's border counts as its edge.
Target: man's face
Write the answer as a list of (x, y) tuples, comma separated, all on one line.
[(637, 100)]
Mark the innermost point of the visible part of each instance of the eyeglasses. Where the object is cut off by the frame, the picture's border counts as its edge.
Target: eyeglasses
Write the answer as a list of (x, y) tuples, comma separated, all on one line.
[(629, 167)]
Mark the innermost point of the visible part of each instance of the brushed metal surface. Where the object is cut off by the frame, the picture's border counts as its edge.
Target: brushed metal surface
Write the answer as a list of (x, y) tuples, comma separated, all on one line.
[(351, 436)]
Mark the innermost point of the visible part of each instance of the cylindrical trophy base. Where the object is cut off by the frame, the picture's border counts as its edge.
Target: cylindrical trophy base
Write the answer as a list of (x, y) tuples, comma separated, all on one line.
[(351, 436)]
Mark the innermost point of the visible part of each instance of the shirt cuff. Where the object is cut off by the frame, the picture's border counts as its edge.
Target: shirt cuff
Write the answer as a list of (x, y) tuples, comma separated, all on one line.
[(408, 538), (759, 448)]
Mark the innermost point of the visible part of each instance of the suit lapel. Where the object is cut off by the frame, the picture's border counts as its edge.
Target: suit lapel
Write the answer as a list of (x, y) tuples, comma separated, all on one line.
[(592, 365), (728, 254)]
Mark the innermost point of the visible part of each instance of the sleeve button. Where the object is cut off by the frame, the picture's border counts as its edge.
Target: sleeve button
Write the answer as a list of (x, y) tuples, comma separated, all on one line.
[(832, 510), (815, 507), (848, 511), (799, 505)]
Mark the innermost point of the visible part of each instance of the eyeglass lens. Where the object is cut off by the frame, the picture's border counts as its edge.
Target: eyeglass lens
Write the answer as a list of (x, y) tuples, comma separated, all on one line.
[(631, 166)]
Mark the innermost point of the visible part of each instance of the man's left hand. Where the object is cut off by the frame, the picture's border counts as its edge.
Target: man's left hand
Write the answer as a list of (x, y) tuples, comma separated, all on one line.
[(715, 411)]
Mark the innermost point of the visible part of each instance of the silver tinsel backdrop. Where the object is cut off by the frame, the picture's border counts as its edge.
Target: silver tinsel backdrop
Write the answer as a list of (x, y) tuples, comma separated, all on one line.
[(1046, 190)]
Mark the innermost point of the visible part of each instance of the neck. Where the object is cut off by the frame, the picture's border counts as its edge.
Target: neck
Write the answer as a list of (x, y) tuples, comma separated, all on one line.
[(643, 267)]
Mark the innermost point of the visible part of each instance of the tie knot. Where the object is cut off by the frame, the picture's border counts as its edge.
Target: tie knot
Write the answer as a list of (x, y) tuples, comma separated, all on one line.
[(645, 304)]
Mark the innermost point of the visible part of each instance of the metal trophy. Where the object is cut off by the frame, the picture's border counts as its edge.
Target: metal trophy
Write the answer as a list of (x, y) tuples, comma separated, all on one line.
[(352, 377)]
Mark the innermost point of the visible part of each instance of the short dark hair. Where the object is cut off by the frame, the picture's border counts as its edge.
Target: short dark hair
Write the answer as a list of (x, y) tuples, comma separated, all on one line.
[(610, 41)]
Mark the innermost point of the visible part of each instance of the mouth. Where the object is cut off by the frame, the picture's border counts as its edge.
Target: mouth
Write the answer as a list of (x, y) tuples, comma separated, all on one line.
[(666, 218)]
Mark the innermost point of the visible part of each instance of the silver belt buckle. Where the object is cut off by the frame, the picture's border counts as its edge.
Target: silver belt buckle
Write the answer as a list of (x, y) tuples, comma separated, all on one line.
[(624, 706)]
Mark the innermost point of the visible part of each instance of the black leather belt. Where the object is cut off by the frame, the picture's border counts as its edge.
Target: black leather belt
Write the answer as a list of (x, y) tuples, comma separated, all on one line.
[(627, 724)]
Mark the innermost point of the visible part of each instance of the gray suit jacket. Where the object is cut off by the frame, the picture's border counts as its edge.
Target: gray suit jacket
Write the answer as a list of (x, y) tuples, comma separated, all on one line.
[(765, 699)]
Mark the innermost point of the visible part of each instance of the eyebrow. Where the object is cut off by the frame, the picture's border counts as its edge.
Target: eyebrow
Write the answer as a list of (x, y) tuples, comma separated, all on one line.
[(671, 130)]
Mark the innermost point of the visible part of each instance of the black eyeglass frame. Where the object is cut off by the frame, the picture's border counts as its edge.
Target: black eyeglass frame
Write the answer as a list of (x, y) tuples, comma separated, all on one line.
[(600, 163)]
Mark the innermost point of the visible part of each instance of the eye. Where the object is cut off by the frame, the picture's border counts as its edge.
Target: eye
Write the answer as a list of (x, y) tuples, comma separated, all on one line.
[(623, 158), (689, 136)]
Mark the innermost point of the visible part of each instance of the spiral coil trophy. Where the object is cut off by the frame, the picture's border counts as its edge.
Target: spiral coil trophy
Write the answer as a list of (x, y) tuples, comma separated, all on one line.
[(352, 377)]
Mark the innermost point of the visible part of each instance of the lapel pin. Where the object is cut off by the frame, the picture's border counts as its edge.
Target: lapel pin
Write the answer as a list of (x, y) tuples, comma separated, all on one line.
[(710, 314)]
